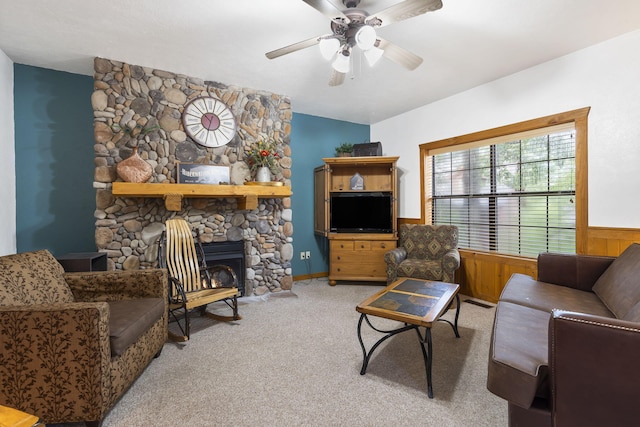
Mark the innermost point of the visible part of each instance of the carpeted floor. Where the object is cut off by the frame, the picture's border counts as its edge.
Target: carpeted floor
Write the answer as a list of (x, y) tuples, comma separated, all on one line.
[(294, 360)]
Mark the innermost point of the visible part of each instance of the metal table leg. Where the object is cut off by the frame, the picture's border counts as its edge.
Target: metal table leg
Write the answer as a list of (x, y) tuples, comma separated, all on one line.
[(389, 333), (427, 355), (455, 324)]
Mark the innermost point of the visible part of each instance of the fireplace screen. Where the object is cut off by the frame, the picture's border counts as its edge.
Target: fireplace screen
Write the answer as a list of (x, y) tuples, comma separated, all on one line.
[(230, 254)]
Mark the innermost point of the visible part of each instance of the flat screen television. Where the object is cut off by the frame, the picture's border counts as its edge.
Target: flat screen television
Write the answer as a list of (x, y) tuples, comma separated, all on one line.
[(361, 212)]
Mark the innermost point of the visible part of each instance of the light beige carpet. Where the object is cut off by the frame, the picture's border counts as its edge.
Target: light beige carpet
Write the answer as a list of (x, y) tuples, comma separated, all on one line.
[(294, 360)]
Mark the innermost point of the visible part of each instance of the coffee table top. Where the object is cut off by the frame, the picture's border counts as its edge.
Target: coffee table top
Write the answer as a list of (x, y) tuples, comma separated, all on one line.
[(413, 301)]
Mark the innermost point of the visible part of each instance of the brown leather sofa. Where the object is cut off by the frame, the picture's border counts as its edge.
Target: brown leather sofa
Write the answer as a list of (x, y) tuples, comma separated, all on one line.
[(565, 347), (71, 344)]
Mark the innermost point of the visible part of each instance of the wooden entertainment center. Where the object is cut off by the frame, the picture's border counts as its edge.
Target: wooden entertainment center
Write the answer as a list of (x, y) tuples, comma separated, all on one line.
[(358, 253)]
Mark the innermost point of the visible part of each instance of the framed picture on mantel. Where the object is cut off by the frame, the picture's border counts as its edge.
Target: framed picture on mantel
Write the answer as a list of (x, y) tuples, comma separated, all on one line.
[(198, 173)]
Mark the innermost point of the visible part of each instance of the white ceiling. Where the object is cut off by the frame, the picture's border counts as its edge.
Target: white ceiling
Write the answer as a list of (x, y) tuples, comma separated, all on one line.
[(464, 44)]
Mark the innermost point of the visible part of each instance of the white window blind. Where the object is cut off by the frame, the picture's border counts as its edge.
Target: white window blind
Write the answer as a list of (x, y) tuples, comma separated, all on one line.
[(513, 195)]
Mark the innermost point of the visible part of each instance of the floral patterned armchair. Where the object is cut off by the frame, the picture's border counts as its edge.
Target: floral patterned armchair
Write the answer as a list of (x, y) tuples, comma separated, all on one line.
[(424, 252), (71, 344)]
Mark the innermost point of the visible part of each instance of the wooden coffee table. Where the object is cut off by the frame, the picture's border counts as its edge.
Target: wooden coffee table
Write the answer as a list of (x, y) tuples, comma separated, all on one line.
[(415, 302)]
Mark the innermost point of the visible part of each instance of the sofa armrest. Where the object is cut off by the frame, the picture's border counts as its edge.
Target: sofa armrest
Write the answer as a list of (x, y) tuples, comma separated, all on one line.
[(109, 286), (594, 370), (572, 270), (395, 256), (55, 355)]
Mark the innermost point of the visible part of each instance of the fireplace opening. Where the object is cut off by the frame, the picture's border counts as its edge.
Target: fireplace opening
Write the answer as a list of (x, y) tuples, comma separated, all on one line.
[(230, 254)]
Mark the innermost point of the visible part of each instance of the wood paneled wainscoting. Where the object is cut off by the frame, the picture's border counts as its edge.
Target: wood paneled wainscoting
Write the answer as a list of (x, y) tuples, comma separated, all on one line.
[(483, 275), (610, 241)]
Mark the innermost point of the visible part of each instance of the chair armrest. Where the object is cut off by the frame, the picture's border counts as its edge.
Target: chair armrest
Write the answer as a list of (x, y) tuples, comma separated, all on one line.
[(109, 286), (395, 256), (451, 260), (594, 370), (54, 350), (572, 270)]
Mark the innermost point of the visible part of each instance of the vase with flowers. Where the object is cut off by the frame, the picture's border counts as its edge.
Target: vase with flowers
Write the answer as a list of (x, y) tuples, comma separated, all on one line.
[(263, 159)]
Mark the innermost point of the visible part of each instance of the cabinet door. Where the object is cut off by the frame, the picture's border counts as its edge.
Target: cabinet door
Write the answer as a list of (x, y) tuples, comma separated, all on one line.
[(394, 186), (320, 201)]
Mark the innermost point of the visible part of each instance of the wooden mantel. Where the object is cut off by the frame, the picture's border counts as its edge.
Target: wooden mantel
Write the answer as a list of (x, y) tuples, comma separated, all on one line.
[(247, 195)]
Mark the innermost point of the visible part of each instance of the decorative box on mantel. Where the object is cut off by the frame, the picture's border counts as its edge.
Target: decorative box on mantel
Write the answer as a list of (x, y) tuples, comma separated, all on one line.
[(247, 196)]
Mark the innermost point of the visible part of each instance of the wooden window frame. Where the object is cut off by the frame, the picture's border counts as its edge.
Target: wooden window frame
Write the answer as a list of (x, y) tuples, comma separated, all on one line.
[(579, 120)]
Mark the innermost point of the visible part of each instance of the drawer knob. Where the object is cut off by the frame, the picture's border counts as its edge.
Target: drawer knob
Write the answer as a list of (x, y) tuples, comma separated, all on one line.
[(339, 258), (383, 246), (362, 246)]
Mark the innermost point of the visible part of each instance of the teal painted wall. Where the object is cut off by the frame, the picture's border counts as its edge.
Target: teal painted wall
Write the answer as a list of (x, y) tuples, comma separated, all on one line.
[(313, 138), (55, 199), (54, 166)]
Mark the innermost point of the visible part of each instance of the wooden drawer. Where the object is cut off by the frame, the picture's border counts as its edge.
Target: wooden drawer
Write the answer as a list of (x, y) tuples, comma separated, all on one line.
[(359, 259), (383, 245), (344, 245), (369, 267), (362, 245), (340, 257)]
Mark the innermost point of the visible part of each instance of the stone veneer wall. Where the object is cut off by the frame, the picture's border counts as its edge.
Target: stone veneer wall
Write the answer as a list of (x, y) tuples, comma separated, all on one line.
[(141, 107)]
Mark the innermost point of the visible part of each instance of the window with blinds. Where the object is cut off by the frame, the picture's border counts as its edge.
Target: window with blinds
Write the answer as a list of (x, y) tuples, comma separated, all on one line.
[(513, 195)]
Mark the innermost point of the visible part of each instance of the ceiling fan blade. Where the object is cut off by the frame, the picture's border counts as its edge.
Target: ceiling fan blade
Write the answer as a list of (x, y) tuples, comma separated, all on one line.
[(399, 55), (294, 47), (404, 10), (327, 9), (337, 78)]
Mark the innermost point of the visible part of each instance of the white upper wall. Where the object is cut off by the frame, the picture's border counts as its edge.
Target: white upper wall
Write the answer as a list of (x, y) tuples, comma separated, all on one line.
[(7, 159), (605, 77)]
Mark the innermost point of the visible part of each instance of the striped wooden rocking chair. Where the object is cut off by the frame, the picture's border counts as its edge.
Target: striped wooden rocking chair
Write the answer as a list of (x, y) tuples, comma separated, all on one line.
[(191, 283)]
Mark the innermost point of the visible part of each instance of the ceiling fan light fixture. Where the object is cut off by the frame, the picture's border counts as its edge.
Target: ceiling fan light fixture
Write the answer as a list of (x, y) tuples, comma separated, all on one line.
[(329, 47), (353, 27), (366, 37), (373, 55), (342, 63)]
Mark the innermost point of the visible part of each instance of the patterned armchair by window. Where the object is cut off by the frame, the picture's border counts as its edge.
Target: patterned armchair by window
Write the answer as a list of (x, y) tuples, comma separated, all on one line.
[(424, 252)]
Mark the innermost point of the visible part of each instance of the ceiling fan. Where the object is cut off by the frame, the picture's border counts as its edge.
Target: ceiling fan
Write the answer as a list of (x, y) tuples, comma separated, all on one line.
[(355, 27)]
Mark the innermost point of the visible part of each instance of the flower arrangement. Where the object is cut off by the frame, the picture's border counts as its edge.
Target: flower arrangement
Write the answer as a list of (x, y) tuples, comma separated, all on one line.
[(264, 153)]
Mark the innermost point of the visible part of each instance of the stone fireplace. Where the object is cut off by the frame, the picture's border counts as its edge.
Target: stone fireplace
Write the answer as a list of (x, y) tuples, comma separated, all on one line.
[(141, 107)]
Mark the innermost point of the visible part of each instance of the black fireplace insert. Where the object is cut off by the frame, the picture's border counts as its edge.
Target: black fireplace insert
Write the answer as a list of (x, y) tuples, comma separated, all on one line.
[(230, 254)]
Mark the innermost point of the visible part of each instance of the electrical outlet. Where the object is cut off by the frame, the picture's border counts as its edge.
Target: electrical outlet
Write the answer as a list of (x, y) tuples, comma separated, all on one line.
[(307, 254), (302, 255)]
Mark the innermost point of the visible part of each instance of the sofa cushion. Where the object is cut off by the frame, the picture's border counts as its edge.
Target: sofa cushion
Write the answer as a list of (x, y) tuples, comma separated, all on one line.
[(633, 315), (572, 270), (518, 357), (525, 290), (32, 278), (619, 286), (131, 318)]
